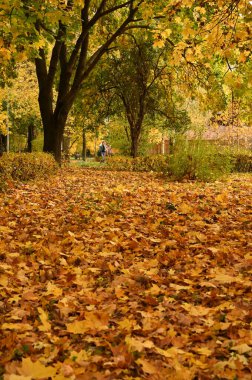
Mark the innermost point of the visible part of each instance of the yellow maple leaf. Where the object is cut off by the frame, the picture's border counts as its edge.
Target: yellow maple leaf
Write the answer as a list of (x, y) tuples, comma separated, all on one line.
[(127, 324), (166, 33), (137, 344), (53, 289), (46, 326), (179, 287), (36, 369), (203, 351), (242, 348), (159, 43), (93, 321), (16, 326), (225, 278), (147, 366), (172, 352), (80, 357), (196, 311)]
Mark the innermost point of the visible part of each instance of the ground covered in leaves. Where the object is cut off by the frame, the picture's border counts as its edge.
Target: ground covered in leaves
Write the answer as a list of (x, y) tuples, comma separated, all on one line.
[(107, 275)]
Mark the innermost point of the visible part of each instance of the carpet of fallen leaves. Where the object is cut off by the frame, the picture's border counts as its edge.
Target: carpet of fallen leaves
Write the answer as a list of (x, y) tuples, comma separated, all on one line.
[(107, 275)]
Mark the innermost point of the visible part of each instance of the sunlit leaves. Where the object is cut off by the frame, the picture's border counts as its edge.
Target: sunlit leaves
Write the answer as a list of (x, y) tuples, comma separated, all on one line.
[(137, 290)]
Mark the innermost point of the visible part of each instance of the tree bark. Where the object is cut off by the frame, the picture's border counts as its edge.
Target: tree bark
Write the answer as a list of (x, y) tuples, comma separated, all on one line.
[(135, 136), (134, 148), (53, 138)]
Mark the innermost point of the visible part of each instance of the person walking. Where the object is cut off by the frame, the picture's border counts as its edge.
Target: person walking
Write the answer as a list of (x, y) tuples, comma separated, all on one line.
[(102, 150), (109, 150)]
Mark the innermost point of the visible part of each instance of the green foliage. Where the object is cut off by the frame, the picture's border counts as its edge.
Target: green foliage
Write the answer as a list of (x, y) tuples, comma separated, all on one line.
[(194, 160), (198, 160), (242, 161), (37, 143), (25, 167)]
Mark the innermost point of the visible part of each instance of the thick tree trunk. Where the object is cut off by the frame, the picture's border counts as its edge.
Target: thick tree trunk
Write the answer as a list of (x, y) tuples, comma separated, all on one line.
[(53, 125), (53, 120), (134, 149), (135, 135), (53, 138)]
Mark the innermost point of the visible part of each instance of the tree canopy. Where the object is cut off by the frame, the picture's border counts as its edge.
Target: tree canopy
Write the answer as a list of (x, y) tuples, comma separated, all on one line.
[(67, 39)]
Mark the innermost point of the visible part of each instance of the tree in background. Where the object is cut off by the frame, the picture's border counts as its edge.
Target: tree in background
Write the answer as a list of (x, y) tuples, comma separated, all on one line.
[(137, 80), (89, 113), (23, 115), (132, 72)]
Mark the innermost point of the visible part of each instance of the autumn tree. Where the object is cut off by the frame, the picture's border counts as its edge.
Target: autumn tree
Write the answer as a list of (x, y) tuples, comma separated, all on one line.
[(130, 77), (79, 34), (67, 39)]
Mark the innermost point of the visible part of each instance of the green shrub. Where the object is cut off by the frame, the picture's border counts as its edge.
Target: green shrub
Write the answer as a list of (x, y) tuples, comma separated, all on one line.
[(198, 160), (195, 160), (242, 161), (25, 167)]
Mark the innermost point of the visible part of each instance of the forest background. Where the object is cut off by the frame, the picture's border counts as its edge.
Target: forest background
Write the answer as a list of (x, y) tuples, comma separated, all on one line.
[(135, 73)]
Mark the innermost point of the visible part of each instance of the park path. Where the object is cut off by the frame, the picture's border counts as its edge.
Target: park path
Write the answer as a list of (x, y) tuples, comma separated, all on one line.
[(114, 275)]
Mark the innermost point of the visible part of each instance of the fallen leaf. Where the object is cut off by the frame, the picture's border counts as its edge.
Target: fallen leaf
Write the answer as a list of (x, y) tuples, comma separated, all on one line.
[(242, 348), (36, 369), (16, 326), (93, 321), (46, 326), (147, 366), (137, 344)]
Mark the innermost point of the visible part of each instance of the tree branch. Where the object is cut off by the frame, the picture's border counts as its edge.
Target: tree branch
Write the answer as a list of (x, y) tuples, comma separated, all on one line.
[(100, 14), (55, 55)]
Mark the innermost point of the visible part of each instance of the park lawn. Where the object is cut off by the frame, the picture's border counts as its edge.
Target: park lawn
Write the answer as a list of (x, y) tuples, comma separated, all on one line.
[(117, 275)]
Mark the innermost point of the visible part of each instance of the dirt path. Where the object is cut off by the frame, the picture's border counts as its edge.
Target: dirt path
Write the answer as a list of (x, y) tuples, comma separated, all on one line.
[(109, 275)]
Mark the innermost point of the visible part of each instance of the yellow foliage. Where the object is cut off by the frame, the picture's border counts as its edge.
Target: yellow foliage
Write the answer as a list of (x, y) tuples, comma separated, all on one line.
[(3, 122)]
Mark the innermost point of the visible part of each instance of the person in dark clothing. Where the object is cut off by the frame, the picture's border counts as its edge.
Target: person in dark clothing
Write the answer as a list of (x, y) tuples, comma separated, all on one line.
[(102, 150)]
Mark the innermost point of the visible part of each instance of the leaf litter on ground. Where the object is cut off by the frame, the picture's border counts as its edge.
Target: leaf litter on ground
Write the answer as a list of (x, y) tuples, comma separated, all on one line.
[(118, 275)]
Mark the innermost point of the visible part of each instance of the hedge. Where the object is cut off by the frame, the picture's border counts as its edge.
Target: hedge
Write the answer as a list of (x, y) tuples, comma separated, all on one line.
[(23, 167)]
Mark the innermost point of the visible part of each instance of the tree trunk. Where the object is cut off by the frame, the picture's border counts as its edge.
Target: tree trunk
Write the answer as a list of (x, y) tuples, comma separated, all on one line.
[(3, 144), (134, 143), (66, 147), (54, 126), (84, 145), (30, 137), (52, 141), (53, 120)]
